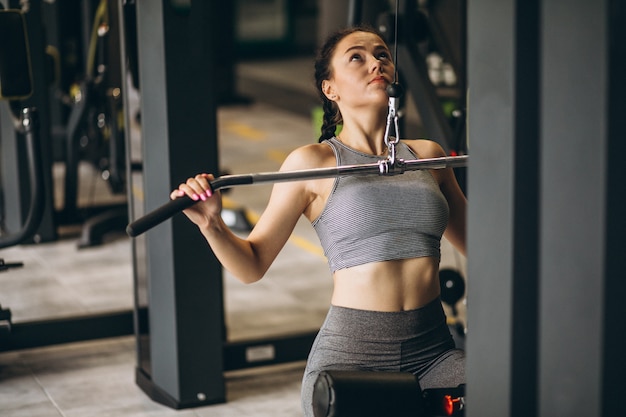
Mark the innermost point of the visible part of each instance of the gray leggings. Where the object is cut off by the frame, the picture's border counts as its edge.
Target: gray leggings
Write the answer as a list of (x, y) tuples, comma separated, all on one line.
[(416, 341)]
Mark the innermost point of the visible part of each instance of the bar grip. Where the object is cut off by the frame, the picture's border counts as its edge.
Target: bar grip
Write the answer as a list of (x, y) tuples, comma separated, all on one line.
[(158, 216), (167, 210)]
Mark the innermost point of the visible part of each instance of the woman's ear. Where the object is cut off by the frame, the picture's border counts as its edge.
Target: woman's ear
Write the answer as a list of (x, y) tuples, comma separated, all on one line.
[(328, 90)]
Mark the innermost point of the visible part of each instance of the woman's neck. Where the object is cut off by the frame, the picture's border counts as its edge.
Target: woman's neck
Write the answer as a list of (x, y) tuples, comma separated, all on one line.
[(364, 130)]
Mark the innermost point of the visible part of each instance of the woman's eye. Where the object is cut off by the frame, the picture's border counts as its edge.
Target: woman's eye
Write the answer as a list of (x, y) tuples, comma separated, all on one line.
[(355, 57), (383, 55)]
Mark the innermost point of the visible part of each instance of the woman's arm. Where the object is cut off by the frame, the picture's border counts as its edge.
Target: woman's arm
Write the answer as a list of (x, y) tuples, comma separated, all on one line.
[(248, 259)]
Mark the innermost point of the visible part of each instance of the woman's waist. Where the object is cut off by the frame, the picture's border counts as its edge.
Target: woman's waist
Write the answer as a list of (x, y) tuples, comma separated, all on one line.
[(360, 324), (388, 286)]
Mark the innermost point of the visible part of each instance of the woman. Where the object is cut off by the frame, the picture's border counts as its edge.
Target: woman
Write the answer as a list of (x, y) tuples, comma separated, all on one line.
[(381, 234)]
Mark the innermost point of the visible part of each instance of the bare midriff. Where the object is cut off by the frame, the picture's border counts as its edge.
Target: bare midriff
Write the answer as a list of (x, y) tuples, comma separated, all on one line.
[(397, 285)]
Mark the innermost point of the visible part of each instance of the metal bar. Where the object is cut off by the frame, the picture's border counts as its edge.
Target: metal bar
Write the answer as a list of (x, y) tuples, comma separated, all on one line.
[(382, 167), (39, 333)]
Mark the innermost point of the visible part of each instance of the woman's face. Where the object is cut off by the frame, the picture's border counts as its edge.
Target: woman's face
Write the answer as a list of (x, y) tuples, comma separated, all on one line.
[(362, 69)]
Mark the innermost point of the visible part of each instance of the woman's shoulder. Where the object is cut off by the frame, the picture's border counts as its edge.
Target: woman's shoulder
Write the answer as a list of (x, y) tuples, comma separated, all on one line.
[(425, 148), (315, 155)]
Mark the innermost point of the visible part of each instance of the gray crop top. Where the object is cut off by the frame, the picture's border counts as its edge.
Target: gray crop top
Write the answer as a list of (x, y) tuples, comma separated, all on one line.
[(376, 218)]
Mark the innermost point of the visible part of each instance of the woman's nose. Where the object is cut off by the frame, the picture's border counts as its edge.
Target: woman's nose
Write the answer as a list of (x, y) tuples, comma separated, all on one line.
[(377, 65)]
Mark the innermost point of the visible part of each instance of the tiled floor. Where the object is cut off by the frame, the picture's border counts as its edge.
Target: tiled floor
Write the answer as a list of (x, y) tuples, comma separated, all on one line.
[(96, 378)]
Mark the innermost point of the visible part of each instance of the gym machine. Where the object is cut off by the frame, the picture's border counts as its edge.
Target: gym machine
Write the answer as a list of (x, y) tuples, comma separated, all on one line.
[(75, 71), (434, 27), (16, 84), (21, 122), (93, 131), (13, 158)]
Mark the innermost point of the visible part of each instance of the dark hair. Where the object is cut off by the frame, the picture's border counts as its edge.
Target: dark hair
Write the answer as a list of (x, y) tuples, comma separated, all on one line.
[(323, 71)]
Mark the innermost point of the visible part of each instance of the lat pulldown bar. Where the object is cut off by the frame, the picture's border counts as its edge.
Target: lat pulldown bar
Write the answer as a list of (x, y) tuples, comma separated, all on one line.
[(382, 167)]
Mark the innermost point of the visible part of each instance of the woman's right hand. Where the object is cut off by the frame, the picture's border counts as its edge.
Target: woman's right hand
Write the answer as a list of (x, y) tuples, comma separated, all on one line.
[(208, 208)]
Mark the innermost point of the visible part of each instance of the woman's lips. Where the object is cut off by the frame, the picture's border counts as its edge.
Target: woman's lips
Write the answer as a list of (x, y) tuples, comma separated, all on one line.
[(378, 80)]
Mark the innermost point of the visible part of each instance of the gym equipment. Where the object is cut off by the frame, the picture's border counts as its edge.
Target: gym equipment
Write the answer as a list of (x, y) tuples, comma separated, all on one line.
[(547, 283), (16, 84), (413, 29), (340, 393), (382, 167), (452, 287), (86, 102), (23, 87), (5, 266), (28, 138), (94, 132), (433, 26)]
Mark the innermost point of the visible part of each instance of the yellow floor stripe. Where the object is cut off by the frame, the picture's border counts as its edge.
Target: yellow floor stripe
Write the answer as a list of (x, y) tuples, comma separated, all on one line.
[(137, 192), (304, 244), (245, 131), (299, 241), (228, 203), (276, 155)]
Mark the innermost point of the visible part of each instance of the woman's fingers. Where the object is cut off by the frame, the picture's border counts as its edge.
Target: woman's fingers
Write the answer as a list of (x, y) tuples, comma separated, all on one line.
[(204, 180), (177, 193), (194, 189), (197, 188)]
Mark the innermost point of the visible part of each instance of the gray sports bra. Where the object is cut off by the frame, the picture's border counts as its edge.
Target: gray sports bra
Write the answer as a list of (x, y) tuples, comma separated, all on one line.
[(376, 218)]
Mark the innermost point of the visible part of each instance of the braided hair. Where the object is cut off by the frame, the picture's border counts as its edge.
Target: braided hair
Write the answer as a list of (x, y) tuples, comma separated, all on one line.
[(323, 71)]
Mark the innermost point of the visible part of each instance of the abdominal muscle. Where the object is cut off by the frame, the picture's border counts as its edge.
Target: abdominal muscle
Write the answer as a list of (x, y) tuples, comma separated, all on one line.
[(397, 285)]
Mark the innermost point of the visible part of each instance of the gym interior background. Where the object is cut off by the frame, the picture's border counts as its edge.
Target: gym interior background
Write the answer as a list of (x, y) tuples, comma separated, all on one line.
[(133, 97)]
